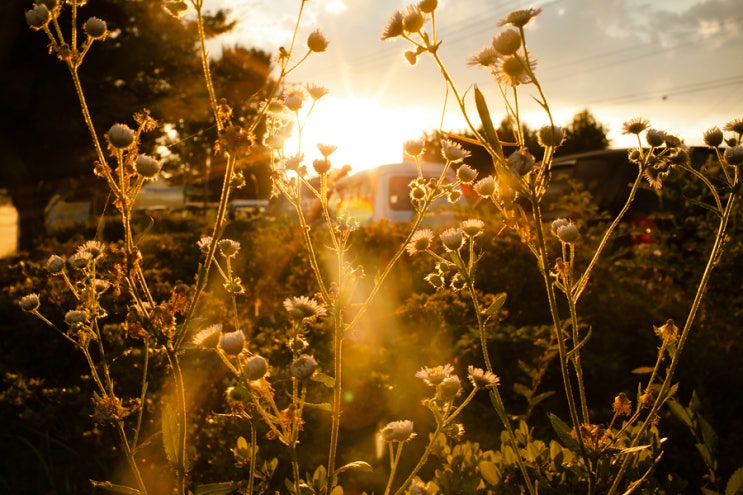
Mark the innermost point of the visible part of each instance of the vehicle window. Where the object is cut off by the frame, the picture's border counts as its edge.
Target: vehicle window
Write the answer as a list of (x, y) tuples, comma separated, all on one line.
[(400, 193)]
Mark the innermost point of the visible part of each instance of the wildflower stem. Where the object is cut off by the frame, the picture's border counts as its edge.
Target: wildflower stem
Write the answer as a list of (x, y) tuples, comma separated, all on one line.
[(253, 456), (395, 455), (422, 461), (180, 460), (671, 370), (205, 64)]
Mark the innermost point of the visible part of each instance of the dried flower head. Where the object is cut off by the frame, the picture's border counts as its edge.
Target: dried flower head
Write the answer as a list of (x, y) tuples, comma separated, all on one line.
[(713, 137), (521, 161), (655, 137), (38, 17), (507, 42), (228, 247), (303, 367), (453, 152), (466, 174), (316, 42), (486, 57), (303, 308), (482, 379), (293, 101), (255, 368), (734, 155), (398, 431), (95, 28), (512, 70), (204, 244), (413, 147), (485, 187), (208, 337), (321, 165), (96, 249), (669, 331), (232, 342), (54, 265), (394, 27), (519, 18), (735, 125), (29, 302), (412, 19), (452, 239), (75, 317), (326, 149), (635, 126), (551, 136), (449, 388), (316, 92), (120, 136), (434, 376), (80, 259), (472, 227), (622, 405), (565, 231), (147, 166), (672, 141), (420, 242), (428, 6)]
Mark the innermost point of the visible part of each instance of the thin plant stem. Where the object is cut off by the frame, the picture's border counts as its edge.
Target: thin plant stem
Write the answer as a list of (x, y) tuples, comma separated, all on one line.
[(671, 371)]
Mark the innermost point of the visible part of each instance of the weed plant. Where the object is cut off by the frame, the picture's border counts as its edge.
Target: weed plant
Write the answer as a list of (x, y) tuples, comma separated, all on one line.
[(286, 366)]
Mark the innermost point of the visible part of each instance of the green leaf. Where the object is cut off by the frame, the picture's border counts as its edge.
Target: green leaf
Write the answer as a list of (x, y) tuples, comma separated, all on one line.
[(489, 472), (705, 453), (735, 483), (170, 433), (107, 485), (539, 398), (217, 488), (563, 432), (709, 436), (643, 370), (500, 300), (680, 412), (337, 490), (362, 466), (522, 390), (326, 380), (323, 407), (487, 123)]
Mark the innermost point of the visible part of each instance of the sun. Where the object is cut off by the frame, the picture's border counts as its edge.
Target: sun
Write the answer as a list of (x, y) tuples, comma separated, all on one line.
[(366, 133)]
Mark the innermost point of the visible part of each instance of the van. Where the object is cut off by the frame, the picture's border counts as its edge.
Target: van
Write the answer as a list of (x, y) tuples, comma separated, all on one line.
[(383, 192)]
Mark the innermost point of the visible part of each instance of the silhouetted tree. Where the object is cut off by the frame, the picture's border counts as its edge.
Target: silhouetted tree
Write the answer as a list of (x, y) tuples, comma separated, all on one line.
[(584, 133)]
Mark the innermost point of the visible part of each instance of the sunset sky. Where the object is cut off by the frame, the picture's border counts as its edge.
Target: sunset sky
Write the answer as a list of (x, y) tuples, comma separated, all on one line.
[(674, 62)]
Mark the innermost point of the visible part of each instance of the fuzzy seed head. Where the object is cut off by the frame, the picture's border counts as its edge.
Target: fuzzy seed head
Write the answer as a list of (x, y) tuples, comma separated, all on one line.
[(566, 231), (75, 317), (54, 265), (294, 100), (466, 174), (147, 166), (507, 42), (735, 125), (485, 187), (519, 18), (398, 431), (452, 239), (29, 302), (80, 260), (120, 136), (551, 136), (412, 19), (511, 71), (453, 152), (486, 57), (232, 343), (255, 368), (208, 337), (304, 308), (303, 367), (316, 42), (713, 137), (521, 161), (95, 28), (394, 27), (228, 247), (734, 155), (38, 17), (420, 242), (655, 137), (472, 227)]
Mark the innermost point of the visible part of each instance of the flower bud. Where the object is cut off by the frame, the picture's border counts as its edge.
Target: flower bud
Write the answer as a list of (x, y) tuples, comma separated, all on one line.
[(412, 19), (75, 317), (734, 155), (449, 388), (120, 136), (303, 367), (232, 342), (466, 174), (95, 28), (255, 368), (321, 165), (428, 6), (507, 42), (655, 137), (29, 302), (485, 187), (551, 136), (228, 247), (411, 57), (413, 147), (147, 166), (38, 17), (54, 265), (452, 239), (567, 233), (672, 141), (237, 394), (316, 42), (398, 431), (713, 137)]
